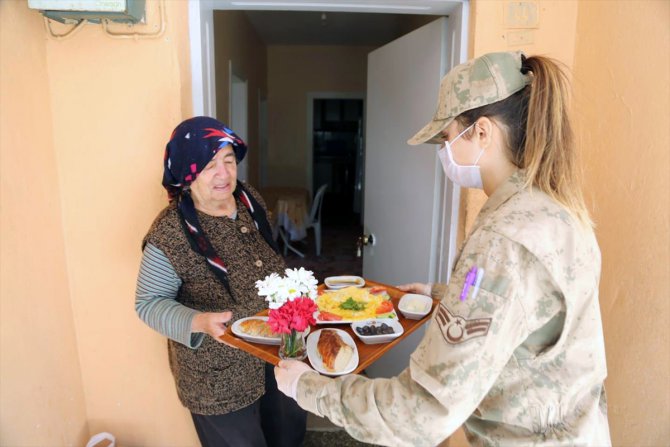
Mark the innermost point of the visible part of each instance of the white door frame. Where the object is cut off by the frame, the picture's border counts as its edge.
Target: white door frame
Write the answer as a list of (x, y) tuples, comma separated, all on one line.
[(201, 34), (201, 30)]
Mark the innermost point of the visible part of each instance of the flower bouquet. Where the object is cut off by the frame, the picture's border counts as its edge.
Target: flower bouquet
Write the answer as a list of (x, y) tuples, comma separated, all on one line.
[(291, 302)]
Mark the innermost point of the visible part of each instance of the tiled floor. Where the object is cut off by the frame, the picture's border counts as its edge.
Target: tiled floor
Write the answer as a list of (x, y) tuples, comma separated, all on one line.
[(338, 438), (338, 252)]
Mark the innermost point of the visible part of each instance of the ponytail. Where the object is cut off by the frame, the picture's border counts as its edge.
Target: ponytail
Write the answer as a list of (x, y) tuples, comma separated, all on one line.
[(539, 133), (550, 152)]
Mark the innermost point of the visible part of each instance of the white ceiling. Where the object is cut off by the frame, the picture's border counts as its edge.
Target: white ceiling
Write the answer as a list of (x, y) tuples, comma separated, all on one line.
[(332, 28)]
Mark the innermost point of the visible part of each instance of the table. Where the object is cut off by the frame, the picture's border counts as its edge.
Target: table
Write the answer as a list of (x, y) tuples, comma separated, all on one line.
[(367, 354), (290, 215)]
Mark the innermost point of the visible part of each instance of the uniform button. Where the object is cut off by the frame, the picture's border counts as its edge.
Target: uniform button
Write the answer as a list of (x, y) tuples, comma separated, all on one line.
[(259, 263), (244, 230)]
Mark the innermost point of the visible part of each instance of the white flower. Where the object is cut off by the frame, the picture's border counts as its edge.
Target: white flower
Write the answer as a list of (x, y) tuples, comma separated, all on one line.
[(268, 286), (278, 290), (305, 281)]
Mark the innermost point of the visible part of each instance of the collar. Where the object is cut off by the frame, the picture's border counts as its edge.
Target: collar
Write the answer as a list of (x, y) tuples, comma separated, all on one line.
[(510, 187)]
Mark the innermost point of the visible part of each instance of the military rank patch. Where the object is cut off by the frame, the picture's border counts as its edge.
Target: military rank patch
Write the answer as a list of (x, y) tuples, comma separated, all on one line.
[(456, 329)]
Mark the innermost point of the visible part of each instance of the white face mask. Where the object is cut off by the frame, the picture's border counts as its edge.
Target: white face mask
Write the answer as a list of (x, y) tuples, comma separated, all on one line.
[(465, 176)]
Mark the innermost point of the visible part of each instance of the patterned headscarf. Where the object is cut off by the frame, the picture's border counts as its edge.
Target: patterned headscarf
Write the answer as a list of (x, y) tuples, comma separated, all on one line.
[(192, 145)]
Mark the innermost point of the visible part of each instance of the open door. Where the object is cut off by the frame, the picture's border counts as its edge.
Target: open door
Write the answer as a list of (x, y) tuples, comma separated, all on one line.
[(407, 205)]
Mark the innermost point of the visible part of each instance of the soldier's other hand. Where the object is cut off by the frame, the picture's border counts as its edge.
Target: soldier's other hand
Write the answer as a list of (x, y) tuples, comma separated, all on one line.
[(416, 287), (211, 323), (287, 374)]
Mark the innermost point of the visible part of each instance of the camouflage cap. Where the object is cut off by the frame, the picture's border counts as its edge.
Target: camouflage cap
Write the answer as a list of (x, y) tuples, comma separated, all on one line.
[(478, 82)]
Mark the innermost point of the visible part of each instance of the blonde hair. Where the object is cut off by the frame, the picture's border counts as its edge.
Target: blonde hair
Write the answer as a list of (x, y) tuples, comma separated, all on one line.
[(540, 134)]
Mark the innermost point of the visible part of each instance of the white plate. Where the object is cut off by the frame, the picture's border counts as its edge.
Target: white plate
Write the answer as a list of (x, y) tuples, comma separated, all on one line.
[(315, 358), (253, 338), (387, 316), (340, 282), (393, 315)]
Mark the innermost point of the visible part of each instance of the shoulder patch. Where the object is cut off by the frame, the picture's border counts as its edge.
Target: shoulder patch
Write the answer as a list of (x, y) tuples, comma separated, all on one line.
[(456, 329)]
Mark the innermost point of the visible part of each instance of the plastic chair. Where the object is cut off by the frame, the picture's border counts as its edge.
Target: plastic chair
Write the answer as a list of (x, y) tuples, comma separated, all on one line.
[(315, 216)]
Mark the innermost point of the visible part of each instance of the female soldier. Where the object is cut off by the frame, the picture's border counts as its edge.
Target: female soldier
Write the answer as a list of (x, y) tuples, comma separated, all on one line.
[(515, 349), (202, 257)]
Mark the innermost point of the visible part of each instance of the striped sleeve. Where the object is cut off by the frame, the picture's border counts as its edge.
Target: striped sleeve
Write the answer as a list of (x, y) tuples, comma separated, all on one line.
[(155, 299)]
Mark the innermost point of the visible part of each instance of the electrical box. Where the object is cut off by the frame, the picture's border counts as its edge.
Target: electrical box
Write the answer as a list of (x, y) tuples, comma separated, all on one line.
[(72, 11)]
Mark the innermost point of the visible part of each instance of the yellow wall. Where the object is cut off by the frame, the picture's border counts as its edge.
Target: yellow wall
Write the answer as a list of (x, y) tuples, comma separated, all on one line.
[(622, 89), (293, 72), (83, 124), (41, 393), (621, 82), (82, 160), (554, 37), (236, 40)]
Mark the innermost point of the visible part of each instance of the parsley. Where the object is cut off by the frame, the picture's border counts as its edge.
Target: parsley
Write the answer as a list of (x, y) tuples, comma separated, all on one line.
[(350, 304)]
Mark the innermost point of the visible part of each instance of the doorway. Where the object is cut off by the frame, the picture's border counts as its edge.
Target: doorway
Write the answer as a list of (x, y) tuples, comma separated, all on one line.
[(441, 228), (239, 114), (337, 157)]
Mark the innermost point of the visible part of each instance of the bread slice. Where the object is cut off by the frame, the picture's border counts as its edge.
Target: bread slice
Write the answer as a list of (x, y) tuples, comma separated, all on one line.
[(334, 352)]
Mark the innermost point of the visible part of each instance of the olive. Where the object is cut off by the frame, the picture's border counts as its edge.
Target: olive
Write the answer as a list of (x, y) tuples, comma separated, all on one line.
[(372, 329)]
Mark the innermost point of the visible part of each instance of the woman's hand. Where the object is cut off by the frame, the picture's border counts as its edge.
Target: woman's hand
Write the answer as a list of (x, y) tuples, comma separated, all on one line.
[(212, 323), (416, 287)]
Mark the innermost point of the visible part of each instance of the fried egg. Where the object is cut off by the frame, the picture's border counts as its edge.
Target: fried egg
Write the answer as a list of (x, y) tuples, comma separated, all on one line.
[(332, 300)]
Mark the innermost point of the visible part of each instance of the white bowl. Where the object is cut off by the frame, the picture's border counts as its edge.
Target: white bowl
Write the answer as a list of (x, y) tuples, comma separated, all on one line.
[(340, 282), (382, 338), (414, 306)]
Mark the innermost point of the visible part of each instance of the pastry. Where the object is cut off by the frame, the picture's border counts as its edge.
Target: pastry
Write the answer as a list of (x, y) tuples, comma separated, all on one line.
[(334, 352), (257, 328)]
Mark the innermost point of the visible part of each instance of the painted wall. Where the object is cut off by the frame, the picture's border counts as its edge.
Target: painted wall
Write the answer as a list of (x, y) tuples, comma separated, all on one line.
[(83, 124), (622, 100), (82, 156), (41, 392), (236, 40), (554, 37), (293, 72), (623, 111)]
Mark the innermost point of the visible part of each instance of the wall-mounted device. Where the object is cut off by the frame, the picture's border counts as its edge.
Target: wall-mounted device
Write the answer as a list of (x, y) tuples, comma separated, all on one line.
[(74, 11)]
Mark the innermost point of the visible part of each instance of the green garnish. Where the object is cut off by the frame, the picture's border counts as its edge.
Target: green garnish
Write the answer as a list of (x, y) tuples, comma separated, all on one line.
[(351, 304)]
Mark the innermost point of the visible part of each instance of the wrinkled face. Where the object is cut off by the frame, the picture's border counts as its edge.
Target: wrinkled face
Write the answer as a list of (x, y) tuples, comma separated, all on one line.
[(216, 183)]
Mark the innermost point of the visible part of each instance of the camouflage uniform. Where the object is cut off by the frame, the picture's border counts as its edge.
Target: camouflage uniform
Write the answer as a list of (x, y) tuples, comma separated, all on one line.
[(523, 363)]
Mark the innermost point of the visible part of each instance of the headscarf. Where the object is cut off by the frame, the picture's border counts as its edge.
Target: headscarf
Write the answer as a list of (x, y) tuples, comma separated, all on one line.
[(192, 145)]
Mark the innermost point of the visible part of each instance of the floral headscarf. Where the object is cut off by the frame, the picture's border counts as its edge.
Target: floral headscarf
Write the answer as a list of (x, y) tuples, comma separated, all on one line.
[(192, 145)]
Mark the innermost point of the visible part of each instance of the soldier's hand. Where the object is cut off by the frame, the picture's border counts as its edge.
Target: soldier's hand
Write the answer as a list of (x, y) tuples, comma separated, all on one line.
[(211, 323), (287, 374), (416, 287)]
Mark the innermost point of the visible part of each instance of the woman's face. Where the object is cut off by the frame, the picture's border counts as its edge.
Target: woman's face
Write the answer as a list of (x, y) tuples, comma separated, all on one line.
[(217, 181), (464, 150)]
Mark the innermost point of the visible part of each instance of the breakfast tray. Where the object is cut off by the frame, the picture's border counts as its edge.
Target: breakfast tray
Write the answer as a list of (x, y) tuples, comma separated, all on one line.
[(367, 354)]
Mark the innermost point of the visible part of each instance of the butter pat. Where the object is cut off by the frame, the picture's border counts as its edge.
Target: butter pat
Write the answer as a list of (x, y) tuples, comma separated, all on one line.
[(416, 306)]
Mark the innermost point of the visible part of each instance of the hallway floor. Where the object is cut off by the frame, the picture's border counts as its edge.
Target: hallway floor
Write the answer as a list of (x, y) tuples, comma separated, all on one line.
[(338, 252)]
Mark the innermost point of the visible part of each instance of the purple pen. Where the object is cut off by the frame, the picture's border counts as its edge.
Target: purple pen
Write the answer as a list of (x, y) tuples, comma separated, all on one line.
[(469, 281)]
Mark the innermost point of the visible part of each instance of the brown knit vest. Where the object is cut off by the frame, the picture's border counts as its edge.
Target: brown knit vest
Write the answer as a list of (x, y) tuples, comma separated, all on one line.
[(214, 378)]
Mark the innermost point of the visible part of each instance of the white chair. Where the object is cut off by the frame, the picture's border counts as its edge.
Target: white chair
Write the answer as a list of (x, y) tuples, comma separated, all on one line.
[(315, 216)]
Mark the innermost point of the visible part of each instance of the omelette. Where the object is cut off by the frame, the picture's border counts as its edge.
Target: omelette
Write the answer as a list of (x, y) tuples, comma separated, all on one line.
[(354, 304)]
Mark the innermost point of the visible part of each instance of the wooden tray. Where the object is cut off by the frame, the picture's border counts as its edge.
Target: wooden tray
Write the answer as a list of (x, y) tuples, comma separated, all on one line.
[(367, 354)]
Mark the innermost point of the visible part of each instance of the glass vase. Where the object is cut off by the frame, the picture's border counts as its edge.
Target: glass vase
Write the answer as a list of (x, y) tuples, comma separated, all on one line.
[(293, 346)]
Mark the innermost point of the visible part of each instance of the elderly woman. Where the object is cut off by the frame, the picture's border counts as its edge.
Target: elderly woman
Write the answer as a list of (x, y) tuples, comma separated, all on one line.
[(202, 256)]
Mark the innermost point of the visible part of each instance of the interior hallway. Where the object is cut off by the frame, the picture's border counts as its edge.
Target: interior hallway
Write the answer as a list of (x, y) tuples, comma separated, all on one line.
[(338, 252)]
